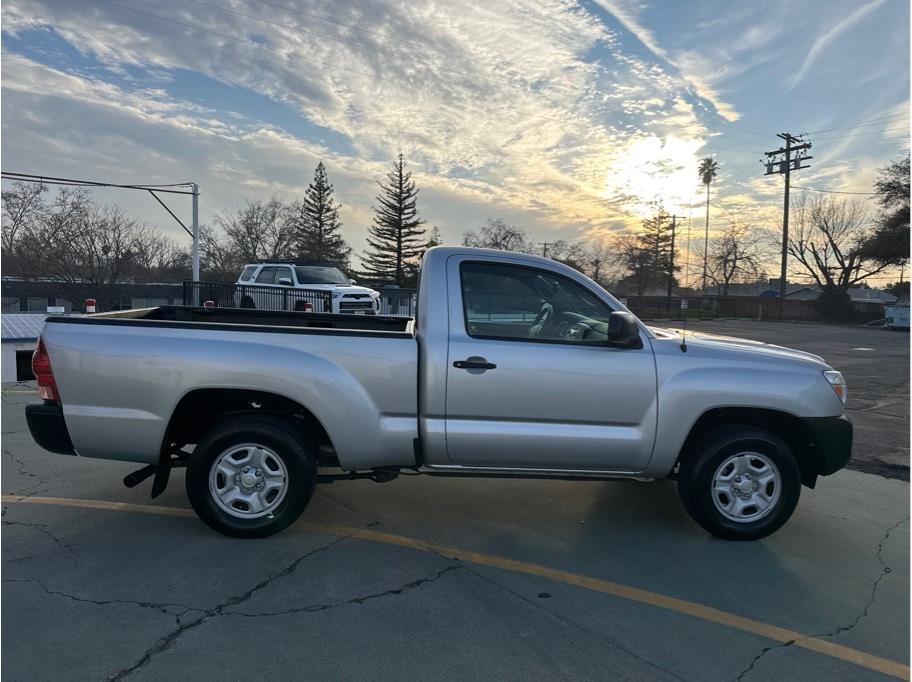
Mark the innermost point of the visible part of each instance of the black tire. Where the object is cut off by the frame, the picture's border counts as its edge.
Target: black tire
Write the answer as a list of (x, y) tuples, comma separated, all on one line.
[(281, 438), (247, 302), (698, 467)]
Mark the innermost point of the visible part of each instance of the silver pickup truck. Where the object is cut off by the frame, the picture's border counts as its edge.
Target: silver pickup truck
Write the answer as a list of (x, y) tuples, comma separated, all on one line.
[(514, 366)]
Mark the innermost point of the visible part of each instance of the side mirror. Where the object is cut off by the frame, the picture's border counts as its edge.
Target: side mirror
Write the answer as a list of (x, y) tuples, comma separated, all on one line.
[(623, 331), (284, 281), (352, 281)]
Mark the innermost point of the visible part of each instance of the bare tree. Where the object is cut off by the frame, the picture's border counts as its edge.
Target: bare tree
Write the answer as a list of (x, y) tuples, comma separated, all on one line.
[(827, 243), (497, 234), (97, 247), (260, 230), (219, 260), (605, 261), (737, 255), (22, 207), (159, 259)]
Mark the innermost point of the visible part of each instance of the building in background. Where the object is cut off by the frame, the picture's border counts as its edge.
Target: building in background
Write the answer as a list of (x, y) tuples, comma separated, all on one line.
[(19, 335)]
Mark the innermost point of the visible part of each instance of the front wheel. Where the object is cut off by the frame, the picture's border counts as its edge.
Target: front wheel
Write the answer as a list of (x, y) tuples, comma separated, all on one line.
[(251, 476), (739, 482)]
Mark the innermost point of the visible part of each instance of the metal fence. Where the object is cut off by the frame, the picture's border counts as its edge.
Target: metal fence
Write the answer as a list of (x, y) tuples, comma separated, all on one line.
[(260, 297), (749, 307), (396, 301)]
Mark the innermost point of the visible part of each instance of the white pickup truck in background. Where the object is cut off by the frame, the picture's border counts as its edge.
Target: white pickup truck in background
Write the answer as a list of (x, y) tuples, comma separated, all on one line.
[(514, 366)]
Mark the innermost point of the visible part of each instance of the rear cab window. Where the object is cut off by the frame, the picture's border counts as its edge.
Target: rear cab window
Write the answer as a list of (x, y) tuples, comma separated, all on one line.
[(247, 275)]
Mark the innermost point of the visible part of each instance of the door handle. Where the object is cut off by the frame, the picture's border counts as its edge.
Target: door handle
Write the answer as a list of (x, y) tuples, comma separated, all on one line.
[(474, 363)]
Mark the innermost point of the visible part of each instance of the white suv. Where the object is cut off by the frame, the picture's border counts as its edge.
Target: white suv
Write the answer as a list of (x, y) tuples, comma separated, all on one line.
[(314, 275)]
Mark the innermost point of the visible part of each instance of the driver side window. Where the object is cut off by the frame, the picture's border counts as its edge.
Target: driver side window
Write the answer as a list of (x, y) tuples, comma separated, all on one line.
[(520, 303)]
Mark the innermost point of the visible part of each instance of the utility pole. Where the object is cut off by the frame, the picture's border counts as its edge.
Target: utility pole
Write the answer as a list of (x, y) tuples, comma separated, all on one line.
[(781, 162), (545, 246), (671, 257)]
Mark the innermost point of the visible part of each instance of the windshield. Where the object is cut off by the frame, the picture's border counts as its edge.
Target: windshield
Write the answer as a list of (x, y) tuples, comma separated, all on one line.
[(320, 274)]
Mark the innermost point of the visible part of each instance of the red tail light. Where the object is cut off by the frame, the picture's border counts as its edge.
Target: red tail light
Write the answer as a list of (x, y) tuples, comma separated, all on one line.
[(308, 307), (41, 368)]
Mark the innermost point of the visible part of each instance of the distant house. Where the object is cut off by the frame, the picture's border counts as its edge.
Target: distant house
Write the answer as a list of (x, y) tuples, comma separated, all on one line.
[(799, 292)]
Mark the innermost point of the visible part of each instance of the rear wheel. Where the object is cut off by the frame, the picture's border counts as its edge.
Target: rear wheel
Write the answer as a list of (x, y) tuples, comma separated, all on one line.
[(251, 476), (739, 482), (247, 302)]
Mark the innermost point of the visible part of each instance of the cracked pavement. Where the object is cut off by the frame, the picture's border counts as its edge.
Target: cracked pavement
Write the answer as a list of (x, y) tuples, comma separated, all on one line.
[(101, 595)]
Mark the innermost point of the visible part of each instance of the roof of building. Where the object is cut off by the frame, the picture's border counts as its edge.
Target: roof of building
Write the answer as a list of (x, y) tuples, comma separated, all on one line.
[(860, 294), (22, 326), (870, 295)]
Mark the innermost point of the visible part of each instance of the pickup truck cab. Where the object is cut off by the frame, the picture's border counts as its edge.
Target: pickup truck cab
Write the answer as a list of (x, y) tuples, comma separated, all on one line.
[(514, 366), (313, 275)]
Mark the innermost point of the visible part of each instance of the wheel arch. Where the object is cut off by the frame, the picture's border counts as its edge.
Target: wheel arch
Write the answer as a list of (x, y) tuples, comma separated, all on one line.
[(199, 410), (788, 427)]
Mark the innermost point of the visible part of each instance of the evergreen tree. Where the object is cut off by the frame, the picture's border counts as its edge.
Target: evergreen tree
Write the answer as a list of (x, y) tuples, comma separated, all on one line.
[(317, 223), (396, 238), (648, 256), (434, 240)]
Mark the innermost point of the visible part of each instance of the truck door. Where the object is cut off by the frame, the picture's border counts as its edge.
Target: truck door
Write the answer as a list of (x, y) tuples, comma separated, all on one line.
[(531, 380)]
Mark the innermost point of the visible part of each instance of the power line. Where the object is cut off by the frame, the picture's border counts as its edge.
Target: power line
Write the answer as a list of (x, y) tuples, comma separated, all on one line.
[(738, 139), (830, 191), (863, 134), (746, 130), (866, 122), (737, 151), (50, 180)]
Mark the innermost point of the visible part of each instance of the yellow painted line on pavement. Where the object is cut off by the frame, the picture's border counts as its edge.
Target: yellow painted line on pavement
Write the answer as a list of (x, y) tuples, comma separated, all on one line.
[(707, 613)]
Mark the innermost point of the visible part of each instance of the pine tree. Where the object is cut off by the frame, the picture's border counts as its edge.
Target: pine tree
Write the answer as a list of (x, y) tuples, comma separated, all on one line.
[(434, 240), (396, 238), (655, 245), (317, 223), (648, 255)]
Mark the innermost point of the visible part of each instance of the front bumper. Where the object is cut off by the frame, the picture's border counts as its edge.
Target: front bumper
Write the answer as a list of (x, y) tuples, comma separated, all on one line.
[(832, 439), (48, 428)]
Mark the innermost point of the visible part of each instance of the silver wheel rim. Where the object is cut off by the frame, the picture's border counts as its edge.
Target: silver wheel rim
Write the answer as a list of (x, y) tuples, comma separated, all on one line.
[(746, 487), (248, 481)]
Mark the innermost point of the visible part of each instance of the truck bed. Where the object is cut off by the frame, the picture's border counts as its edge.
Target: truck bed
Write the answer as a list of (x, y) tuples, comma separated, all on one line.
[(191, 317), (122, 375)]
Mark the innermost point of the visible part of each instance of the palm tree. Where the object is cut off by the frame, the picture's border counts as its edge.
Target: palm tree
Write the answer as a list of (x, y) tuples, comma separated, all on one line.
[(708, 168)]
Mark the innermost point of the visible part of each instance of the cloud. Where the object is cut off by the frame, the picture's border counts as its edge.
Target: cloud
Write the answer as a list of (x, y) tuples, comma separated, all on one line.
[(692, 67), (522, 108), (828, 37)]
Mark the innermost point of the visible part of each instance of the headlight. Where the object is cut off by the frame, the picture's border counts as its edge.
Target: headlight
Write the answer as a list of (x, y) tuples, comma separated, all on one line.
[(337, 294), (838, 383), (375, 294)]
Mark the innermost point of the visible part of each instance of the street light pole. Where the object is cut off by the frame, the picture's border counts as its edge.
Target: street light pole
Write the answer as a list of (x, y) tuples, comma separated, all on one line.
[(195, 250)]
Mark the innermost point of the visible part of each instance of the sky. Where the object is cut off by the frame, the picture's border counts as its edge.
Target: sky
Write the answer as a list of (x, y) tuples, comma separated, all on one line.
[(568, 119)]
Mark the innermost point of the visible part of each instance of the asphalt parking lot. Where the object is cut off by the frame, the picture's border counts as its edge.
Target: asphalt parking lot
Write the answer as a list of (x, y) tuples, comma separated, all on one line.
[(467, 579)]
